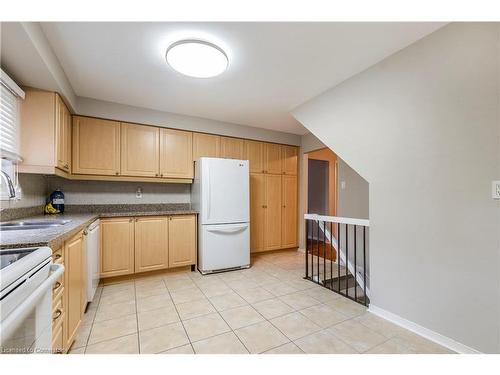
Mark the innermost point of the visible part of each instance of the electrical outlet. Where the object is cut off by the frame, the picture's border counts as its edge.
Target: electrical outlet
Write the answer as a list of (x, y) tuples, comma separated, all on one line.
[(495, 190), (342, 185), (138, 193)]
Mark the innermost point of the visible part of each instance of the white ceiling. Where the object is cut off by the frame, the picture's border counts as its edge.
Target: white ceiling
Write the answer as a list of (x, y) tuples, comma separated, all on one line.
[(273, 67)]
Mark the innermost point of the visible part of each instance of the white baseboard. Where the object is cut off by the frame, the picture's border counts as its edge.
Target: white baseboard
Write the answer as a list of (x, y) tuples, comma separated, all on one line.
[(422, 331), (301, 250)]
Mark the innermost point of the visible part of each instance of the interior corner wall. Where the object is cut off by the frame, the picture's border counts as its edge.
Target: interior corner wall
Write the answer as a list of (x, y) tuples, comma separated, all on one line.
[(422, 127)]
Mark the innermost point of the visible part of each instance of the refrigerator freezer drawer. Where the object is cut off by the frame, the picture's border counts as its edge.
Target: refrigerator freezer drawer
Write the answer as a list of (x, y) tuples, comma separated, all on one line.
[(223, 246)]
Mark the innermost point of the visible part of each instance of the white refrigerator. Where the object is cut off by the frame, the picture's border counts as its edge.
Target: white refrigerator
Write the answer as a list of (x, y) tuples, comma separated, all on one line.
[(221, 194)]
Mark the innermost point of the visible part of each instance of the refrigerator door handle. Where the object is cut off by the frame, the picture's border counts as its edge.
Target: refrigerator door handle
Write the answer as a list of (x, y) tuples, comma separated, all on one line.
[(232, 229)]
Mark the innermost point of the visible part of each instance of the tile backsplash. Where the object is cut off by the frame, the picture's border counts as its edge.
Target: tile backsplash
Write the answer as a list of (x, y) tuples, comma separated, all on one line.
[(107, 192)]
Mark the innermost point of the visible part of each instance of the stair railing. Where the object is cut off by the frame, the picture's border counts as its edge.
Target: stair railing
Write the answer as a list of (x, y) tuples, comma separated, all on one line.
[(344, 239)]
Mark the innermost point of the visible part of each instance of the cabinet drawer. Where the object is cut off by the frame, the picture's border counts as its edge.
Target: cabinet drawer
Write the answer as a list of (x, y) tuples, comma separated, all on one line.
[(57, 312), (58, 256)]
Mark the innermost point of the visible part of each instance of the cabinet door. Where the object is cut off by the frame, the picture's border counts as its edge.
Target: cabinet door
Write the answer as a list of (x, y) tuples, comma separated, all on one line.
[(289, 158), (176, 154), (232, 148), (140, 150), (181, 240), (289, 212), (257, 211), (151, 243), (74, 284), (254, 153), (96, 146), (205, 145), (61, 130), (117, 246), (272, 236), (272, 158)]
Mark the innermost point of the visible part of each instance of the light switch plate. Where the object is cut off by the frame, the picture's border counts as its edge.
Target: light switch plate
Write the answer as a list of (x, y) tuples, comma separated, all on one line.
[(495, 190)]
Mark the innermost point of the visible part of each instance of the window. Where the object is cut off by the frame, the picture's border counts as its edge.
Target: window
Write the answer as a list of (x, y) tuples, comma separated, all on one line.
[(10, 95)]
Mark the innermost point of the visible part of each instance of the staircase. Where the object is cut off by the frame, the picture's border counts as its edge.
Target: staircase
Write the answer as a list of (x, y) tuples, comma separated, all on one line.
[(336, 255)]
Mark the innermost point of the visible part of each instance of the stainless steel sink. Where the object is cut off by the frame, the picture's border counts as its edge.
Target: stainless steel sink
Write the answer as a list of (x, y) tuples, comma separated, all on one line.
[(33, 224)]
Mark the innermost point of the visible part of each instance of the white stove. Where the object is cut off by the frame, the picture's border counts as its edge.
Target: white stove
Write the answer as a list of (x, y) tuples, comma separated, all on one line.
[(26, 279)]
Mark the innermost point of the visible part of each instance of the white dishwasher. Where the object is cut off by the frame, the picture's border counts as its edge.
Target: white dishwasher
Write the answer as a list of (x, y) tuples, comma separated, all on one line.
[(93, 254)]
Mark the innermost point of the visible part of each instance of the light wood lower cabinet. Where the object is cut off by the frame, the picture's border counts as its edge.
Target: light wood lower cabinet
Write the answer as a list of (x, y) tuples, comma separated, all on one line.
[(74, 286), (133, 245), (289, 212), (117, 246), (151, 243), (181, 240)]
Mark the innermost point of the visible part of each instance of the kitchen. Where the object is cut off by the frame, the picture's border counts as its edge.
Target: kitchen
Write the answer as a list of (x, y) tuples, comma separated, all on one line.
[(154, 191)]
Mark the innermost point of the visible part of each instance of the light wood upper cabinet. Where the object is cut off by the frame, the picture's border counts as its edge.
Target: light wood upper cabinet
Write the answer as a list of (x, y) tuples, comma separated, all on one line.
[(254, 153), (206, 145), (272, 237), (257, 211), (74, 285), (63, 135), (290, 158), (96, 146), (151, 243), (272, 158), (117, 246), (140, 150), (45, 137), (232, 148), (176, 155), (182, 240), (289, 213)]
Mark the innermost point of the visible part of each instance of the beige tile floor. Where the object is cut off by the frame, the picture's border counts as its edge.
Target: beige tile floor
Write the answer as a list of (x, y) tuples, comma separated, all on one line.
[(268, 308)]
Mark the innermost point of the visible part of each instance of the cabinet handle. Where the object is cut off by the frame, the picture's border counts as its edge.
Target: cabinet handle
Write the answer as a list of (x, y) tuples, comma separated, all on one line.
[(66, 166), (156, 174), (284, 206), (57, 315), (263, 171), (130, 220), (117, 173), (161, 175), (58, 256), (56, 285), (284, 172)]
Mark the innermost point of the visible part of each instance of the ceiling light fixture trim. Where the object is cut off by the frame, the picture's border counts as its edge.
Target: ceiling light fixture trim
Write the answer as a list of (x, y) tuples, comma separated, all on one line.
[(209, 63)]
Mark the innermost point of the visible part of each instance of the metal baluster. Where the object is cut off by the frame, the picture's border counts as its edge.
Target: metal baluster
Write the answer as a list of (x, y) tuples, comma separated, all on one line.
[(307, 255), (317, 249), (346, 260), (331, 257), (355, 268), (364, 264), (324, 252), (338, 257)]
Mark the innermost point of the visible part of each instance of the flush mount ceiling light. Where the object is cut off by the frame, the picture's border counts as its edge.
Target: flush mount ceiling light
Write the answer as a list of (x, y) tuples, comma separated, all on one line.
[(197, 58)]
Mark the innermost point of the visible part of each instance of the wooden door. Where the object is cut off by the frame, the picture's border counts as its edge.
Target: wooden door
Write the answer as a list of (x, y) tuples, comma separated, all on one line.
[(289, 156), (272, 236), (272, 158), (140, 150), (257, 211), (117, 246), (74, 284), (289, 211), (151, 243), (176, 154), (254, 153), (206, 145), (96, 146), (232, 148), (181, 240)]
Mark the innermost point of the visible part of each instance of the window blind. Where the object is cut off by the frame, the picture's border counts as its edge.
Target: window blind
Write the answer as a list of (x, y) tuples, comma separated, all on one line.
[(9, 122)]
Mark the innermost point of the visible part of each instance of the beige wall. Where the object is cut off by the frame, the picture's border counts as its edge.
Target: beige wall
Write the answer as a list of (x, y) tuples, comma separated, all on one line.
[(115, 111), (422, 127)]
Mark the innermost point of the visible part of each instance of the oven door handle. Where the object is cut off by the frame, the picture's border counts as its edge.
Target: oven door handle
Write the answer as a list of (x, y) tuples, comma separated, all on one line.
[(21, 312)]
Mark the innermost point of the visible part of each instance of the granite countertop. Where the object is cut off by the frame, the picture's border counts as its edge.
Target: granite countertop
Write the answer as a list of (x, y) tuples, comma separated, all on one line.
[(55, 236)]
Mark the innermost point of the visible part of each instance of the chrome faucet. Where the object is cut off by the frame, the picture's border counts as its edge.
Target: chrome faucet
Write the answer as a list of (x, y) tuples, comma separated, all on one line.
[(8, 181)]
